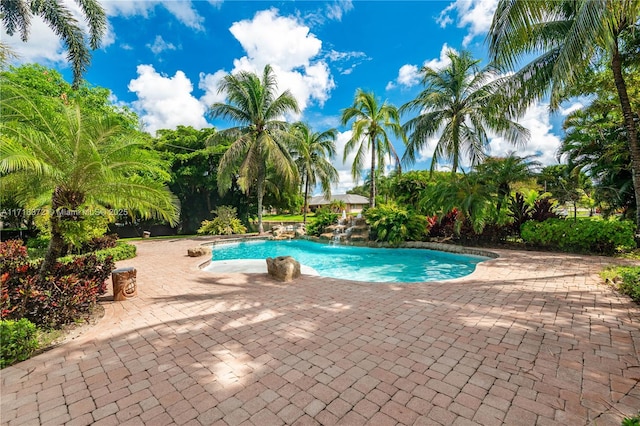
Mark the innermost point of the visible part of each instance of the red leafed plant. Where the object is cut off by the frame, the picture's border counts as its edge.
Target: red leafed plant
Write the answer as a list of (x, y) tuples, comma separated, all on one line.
[(68, 293)]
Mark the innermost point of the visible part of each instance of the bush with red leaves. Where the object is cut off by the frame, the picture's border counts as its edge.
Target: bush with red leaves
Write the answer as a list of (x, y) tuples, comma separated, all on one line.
[(67, 293)]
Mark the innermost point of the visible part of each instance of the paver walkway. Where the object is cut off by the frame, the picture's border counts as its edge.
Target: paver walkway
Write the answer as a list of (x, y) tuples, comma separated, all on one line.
[(529, 338)]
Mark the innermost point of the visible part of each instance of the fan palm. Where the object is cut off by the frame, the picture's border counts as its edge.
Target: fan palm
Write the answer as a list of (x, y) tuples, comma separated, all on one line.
[(261, 138), (16, 17), (371, 125), (313, 150), (460, 103), (568, 35), (72, 160)]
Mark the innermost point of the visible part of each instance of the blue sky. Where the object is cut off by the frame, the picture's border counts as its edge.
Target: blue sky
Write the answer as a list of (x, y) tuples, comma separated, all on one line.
[(164, 59)]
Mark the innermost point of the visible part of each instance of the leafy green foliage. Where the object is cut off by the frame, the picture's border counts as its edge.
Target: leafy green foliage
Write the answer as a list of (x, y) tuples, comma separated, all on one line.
[(225, 223), (120, 251), (372, 124), (625, 278), (67, 293), (460, 103), (394, 224), (582, 236), (18, 341), (16, 16), (193, 157), (630, 284), (260, 139), (631, 421), (111, 169), (323, 218)]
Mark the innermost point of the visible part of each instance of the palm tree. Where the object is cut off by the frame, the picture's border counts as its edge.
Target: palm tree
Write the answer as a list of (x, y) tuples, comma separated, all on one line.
[(77, 162), (568, 34), (459, 102), (502, 172), (16, 16), (260, 139), (370, 126), (312, 151)]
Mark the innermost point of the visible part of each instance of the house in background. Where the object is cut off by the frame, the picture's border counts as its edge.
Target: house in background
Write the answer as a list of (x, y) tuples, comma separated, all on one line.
[(354, 203)]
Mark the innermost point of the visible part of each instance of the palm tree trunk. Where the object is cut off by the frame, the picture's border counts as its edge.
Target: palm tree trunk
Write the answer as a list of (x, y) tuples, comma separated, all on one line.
[(632, 131), (372, 192), (306, 199), (260, 194), (56, 244)]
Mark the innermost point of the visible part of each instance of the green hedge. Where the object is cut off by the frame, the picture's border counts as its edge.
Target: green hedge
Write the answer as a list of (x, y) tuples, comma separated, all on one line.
[(582, 236), (18, 340), (122, 251)]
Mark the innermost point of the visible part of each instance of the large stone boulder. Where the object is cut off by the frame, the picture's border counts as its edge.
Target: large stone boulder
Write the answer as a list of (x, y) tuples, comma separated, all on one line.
[(198, 251), (283, 268), (301, 231)]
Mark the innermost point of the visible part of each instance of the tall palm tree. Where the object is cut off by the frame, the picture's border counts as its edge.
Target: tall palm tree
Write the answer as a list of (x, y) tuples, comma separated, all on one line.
[(261, 137), (567, 35), (71, 162), (312, 151), (371, 125), (16, 17), (459, 102)]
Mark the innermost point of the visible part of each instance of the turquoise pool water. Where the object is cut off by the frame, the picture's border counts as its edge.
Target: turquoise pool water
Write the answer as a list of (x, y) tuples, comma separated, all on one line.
[(357, 263)]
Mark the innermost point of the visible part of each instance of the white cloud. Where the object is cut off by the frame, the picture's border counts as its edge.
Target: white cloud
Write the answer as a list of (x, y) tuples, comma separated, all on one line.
[(283, 42), (330, 11), (209, 83), (346, 181), (443, 61), (183, 10), (542, 143), (292, 51), (571, 108), (475, 15), (272, 39), (409, 74), (160, 45), (346, 62), (165, 102), (336, 10), (43, 45)]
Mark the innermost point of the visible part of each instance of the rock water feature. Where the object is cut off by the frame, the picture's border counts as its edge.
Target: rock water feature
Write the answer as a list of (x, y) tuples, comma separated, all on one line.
[(348, 229)]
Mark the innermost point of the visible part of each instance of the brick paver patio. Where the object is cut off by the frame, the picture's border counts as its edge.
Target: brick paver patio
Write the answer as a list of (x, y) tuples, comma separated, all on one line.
[(529, 338)]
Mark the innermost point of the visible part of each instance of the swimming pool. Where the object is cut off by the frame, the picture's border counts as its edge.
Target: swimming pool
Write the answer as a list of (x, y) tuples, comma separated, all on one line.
[(357, 263)]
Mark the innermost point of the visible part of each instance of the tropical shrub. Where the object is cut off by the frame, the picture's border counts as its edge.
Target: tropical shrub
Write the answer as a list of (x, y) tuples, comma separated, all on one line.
[(69, 292), (121, 251), (323, 218), (18, 341), (393, 224), (100, 243), (582, 236), (445, 226), (519, 212), (543, 210), (226, 222), (626, 279)]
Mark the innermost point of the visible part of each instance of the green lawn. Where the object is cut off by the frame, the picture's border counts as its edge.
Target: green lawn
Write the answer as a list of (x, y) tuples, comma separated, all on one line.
[(285, 217)]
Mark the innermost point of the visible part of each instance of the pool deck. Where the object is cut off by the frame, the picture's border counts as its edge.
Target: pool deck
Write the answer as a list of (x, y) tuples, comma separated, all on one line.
[(529, 338)]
